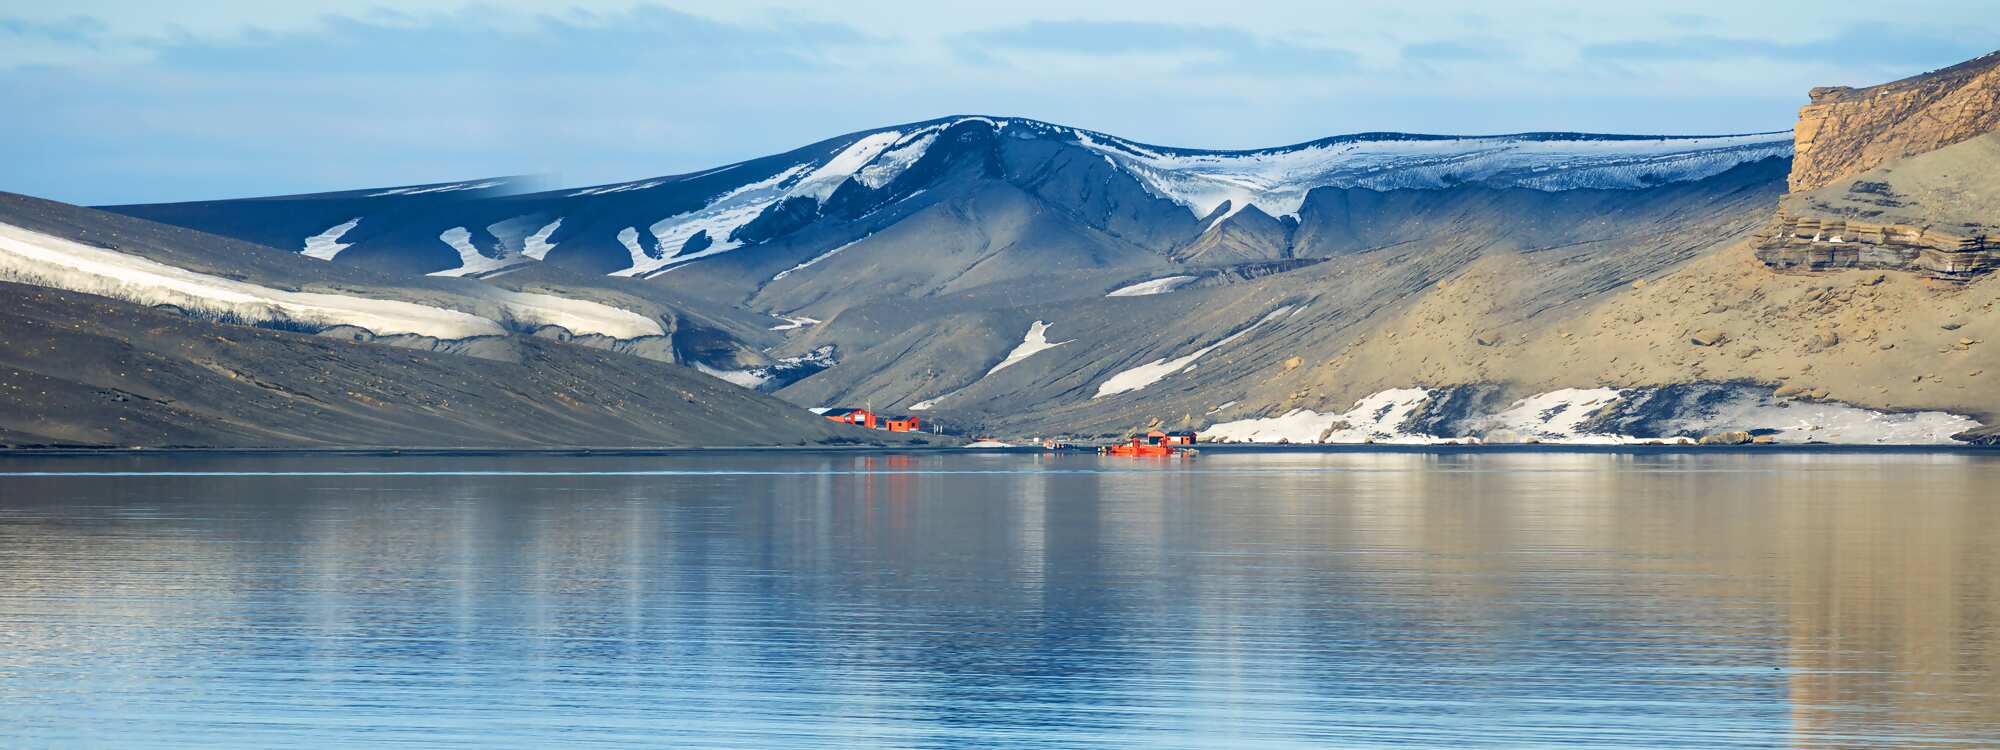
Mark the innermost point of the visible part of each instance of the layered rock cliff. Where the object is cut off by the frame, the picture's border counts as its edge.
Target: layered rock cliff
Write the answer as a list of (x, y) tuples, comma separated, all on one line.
[(1903, 177)]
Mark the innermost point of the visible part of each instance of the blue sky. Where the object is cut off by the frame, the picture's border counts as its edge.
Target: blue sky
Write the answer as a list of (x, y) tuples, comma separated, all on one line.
[(112, 101)]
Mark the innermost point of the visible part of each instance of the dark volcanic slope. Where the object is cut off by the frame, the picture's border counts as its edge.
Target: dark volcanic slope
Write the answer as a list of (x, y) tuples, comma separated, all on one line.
[(82, 370)]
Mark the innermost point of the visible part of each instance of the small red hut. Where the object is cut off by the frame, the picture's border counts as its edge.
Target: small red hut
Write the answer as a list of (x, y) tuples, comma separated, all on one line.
[(903, 424)]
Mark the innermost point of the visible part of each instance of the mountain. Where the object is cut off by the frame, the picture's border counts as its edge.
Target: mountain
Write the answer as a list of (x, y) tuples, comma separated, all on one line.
[(116, 331), (1013, 277), (1163, 199)]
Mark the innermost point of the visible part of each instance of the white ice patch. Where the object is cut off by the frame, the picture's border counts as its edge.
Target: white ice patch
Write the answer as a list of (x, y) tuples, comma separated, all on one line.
[(537, 245), (759, 377), (581, 317), (1036, 340), (816, 259), (719, 219), (751, 379), (327, 244), (1377, 418), (623, 187), (40, 259), (470, 261), (893, 162), (849, 162), (1155, 286), (452, 188), (1151, 372), (925, 405), (792, 323), (1235, 207), (629, 237), (1277, 180), (1553, 417), (1830, 422), (874, 159), (1559, 417)]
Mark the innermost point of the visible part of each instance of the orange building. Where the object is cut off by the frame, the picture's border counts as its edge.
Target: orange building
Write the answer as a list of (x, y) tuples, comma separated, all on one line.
[(862, 417), (903, 424)]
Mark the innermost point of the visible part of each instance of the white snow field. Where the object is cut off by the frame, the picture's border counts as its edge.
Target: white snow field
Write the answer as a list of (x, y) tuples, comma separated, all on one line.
[(580, 317), (1376, 418), (873, 160), (1557, 417), (1276, 180), (1553, 417), (470, 261), (1035, 340), (46, 260), (1152, 372), (1155, 286), (751, 379), (794, 323), (327, 244), (452, 188), (537, 245)]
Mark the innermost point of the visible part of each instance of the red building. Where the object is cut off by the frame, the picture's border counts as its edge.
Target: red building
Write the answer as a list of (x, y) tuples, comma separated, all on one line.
[(1179, 438), (862, 417), (903, 424)]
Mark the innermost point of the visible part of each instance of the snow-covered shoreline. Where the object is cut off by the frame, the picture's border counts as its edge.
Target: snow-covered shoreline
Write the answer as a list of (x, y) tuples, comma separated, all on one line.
[(1592, 416)]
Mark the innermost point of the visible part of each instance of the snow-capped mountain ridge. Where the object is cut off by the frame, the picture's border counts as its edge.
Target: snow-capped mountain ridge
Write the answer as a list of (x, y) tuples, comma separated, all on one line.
[(651, 225)]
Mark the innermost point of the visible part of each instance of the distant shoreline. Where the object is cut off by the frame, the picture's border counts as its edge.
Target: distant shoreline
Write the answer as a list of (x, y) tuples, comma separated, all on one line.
[(642, 451)]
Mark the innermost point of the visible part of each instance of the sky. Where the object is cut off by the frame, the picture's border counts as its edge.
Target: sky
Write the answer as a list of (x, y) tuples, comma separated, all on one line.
[(112, 101)]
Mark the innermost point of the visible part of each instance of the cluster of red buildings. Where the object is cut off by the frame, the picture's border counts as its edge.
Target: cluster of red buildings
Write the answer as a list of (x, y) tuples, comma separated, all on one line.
[(873, 421)]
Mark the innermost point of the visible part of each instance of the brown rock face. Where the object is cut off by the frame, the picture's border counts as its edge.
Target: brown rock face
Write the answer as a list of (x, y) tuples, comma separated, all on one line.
[(1897, 177), (1845, 131)]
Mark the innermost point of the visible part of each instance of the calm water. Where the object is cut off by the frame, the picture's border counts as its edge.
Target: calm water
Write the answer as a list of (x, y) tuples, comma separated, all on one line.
[(952, 601)]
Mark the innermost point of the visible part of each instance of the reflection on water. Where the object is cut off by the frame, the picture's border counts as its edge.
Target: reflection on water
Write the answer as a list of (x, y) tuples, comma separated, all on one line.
[(812, 600)]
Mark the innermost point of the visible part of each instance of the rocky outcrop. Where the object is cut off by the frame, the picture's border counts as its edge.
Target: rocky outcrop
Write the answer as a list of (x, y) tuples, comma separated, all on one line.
[(1845, 131), (1897, 177), (1811, 243)]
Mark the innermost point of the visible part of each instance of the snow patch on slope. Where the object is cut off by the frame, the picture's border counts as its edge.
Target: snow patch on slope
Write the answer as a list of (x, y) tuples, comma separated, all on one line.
[(873, 160), (1277, 180), (537, 245), (816, 259), (778, 374), (35, 258), (1562, 417), (1554, 417), (1152, 372), (1036, 340), (470, 261), (327, 244), (794, 323), (1377, 418), (578, 316), (1155, 286), (1820, 421), (452, 188), (893, 162), (622, 187)]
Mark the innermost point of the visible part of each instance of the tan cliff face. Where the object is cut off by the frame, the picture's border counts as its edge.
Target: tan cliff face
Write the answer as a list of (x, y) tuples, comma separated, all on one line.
[(1904, 176), (1845, 131)]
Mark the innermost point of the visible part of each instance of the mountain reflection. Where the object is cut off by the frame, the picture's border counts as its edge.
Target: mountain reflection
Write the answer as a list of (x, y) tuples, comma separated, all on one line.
[(1353, 599)]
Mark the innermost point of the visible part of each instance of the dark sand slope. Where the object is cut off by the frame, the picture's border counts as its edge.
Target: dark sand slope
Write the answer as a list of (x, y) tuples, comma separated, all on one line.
[(82, 370)]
